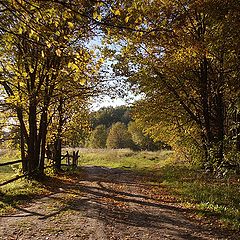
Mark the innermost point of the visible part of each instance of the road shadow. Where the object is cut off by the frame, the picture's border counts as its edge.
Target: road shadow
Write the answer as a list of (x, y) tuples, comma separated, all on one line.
[(112, 196)]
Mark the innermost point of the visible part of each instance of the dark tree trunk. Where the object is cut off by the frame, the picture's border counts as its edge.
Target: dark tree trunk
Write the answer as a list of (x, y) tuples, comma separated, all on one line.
[(23, 155), (42, 140), (58, 153), (24, 135), (204, 90), (238, 131), (58, 140), (23, 140), (33, 147), (219, 128)]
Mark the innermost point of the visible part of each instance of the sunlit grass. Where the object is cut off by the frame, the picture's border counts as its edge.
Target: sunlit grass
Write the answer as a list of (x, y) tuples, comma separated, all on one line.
[(209, 196), (18, 191), (8, 155), (14, 193), (124, 158), (9, 171)]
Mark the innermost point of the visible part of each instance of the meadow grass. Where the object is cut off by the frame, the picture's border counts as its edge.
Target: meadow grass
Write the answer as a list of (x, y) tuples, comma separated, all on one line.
[(14, 193), (124, 158)]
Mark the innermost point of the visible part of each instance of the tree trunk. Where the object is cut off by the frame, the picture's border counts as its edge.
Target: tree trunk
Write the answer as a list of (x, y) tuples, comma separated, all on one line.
[(219, 129), (213, 119), (238, 130), (58, 140), (23, 140), (33, 148), (58, 153), (23, 156), (204, 91), (42, 140)]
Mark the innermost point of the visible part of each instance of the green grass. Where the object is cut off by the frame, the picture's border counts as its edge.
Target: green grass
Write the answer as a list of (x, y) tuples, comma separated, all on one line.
[(124, 158), (16, 192), (209, 196)]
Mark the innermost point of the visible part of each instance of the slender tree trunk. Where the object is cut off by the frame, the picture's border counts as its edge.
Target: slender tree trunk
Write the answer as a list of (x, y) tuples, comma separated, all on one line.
[(23, 140), (219, 128), (42, 140), (238, 130), (204, 89), (23, 156), (58, 140), (58, 153), (24, 135)]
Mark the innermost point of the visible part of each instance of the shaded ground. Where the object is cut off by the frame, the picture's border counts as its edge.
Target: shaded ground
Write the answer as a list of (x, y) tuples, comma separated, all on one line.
[(104, 203)]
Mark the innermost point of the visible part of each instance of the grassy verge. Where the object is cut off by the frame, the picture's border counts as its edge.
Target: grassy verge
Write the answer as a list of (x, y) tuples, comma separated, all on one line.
[(18, 191), (209, 196), (15, 193)]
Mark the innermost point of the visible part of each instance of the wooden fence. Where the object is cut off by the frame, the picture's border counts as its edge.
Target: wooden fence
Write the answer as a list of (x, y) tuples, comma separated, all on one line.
[(71, 160), (10, 163)]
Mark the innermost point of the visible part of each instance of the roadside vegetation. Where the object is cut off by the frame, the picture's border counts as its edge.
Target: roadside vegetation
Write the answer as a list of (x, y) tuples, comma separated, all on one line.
[(18, 191), (180, 59)]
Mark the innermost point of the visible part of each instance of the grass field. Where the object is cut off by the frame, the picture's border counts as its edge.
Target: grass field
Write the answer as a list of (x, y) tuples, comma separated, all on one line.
[(207, 195), (124, 158), (14, 193)]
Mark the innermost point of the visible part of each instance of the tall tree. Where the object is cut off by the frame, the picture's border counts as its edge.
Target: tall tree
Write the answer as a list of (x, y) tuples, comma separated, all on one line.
[(183, 55), (43, 57)]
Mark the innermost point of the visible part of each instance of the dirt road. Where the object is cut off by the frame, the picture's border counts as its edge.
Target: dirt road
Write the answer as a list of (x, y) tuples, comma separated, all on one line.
[(102, 204)]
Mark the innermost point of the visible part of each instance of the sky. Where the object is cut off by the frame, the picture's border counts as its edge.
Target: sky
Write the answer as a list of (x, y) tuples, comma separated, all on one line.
[(107, 102)]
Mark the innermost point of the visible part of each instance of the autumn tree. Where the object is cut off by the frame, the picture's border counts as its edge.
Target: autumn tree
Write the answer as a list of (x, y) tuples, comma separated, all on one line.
[(98, 137), (183, 56), (108, 115), (141, 140), (119, 137), (43, 58)]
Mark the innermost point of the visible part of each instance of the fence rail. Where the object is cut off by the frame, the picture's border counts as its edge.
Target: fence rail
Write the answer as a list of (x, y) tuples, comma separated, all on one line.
[(10, 163), (12, 180)]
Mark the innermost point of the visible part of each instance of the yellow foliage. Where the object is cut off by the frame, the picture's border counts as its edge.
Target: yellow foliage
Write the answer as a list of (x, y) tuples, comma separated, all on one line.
[(70, 25), (58, 52), (48, 44), (20, 30), (117, 12), (127, 19)]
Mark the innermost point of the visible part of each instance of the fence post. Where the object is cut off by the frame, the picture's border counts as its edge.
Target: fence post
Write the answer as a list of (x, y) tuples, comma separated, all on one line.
[(68, 159), (75, 159)]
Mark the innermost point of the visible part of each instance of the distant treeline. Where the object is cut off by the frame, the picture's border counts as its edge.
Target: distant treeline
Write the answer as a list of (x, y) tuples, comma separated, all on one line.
[(115, 128)]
